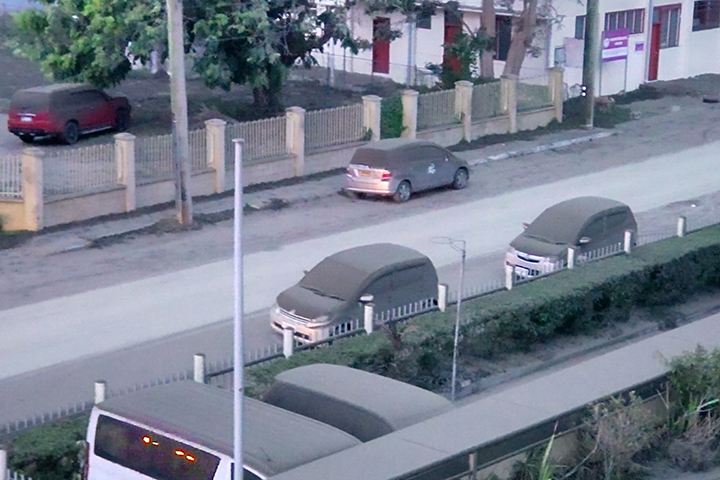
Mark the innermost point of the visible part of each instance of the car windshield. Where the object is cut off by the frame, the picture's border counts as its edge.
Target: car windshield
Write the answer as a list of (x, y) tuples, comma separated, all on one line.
[(32, 101), (549, 227), (332, 279)]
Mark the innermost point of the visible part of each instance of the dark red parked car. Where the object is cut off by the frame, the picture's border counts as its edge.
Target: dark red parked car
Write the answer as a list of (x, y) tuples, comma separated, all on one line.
[(66, 111)]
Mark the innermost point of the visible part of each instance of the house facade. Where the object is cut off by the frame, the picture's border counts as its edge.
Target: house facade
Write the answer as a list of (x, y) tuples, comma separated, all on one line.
[(644, 40)]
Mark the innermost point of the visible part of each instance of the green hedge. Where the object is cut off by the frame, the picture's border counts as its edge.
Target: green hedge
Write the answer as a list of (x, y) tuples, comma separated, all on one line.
[(573, 301)]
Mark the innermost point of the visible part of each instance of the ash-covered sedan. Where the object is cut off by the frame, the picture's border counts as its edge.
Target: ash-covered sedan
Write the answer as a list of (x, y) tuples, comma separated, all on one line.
[(398, 167)]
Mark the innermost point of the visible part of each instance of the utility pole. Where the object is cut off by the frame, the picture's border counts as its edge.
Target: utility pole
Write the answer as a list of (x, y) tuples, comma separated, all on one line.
[(178, 103), (591, 56)]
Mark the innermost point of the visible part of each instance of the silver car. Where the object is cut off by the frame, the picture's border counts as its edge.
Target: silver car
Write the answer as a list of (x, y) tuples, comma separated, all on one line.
[(397, 167), (585, 223)]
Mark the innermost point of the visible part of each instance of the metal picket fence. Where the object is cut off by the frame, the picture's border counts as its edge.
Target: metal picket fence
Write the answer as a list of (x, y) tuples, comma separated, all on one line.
[(154, 157), (333, 126), (13, 475), (436, 109), (11, 176), (68, 171), (486, 101), (198, 149), (533, 94), (263, 139)]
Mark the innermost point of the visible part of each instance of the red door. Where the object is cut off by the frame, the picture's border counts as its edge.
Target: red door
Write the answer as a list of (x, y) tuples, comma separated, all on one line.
[(654, 50), (381, 45), (451, 33)]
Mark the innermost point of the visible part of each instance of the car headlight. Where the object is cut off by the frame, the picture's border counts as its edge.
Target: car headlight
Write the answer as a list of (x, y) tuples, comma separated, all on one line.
[(275, 308)]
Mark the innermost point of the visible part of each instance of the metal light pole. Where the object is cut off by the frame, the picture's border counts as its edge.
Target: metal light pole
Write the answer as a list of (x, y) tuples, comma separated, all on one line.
[(458, 245), (238, 356)]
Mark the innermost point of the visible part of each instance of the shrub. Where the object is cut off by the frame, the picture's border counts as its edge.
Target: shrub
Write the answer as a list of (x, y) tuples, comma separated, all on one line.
[(391, 117)]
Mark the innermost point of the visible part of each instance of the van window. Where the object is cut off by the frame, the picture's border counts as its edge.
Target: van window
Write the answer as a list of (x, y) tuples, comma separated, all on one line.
[(246, 474), (407, 276), (615, 221), (594, 230), (151, 454), (30, 101)]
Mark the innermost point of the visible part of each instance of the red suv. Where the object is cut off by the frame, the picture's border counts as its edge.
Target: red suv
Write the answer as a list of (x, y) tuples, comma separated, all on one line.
[(66, 111)]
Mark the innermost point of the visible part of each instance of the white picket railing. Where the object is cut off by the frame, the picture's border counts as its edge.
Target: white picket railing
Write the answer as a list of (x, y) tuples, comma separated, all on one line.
[(263, 139), (486, 101), (436, 109), (12, 475), (78, 170), (333, 126), (533, 93), (198, 149), (11, 176), (154, 157)]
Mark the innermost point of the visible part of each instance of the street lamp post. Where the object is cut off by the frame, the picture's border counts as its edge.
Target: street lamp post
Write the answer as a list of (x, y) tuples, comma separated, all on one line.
[(238, 356), (458, 245)]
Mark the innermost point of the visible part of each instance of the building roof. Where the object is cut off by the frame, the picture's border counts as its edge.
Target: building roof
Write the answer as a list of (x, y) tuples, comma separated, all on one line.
[(336, 393), (274, 440)]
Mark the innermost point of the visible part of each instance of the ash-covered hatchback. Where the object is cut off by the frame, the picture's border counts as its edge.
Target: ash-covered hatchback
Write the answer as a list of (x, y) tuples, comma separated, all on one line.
[(585, 223), (398, 167)]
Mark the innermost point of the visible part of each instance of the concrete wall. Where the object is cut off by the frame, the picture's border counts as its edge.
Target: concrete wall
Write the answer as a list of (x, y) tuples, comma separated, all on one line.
[(74, 209), (330, 158), (12, 215)]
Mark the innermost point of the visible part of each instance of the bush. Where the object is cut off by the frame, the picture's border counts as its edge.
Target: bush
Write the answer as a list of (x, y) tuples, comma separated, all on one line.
[(391, 117)]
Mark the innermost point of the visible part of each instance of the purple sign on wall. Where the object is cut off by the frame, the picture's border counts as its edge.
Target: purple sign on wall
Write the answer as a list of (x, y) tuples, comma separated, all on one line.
[(615, 44)]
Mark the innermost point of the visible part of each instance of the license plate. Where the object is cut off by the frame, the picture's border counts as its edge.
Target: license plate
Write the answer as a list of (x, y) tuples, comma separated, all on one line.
[(364, 173), (26, 119), (522, 272)]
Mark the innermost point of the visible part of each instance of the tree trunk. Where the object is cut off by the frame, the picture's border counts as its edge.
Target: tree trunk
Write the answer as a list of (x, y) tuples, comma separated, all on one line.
[(522, 37), (266, 99), (487, 67)]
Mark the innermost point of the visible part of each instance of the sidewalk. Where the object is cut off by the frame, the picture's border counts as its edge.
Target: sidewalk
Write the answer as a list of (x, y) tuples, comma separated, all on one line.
[(86, 234)]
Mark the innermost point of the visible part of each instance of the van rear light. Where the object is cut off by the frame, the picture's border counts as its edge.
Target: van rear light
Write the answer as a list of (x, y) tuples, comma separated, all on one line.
[(386, 175)]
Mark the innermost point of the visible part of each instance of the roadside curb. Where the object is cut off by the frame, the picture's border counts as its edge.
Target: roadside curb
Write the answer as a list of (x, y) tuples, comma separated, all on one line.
[(541, 148)]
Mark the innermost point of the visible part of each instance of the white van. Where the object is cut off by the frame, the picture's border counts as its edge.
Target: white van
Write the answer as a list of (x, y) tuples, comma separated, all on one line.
[(184, 431)]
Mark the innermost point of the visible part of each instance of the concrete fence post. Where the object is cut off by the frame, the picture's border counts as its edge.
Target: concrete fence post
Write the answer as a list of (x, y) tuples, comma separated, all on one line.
[(368, 316), (199, 368), (463, 106), (442, 296), (288, 341), (295, 137), (627, 241), (372, 110), (32, 184), (100, 388), (3, 465), (571, 258), (410, 113), (509, 276), (557, 91), (508, 99), (125, 159), (682, 226), (215, 144)]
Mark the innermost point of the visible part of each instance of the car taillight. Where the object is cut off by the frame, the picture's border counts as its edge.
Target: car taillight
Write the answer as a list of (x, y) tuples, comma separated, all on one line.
[(386, 175), (348, 170)]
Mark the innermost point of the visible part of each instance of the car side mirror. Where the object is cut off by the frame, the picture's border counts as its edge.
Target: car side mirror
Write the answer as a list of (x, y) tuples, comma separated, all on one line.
[(305, 272), (584, 240), (525, 225)]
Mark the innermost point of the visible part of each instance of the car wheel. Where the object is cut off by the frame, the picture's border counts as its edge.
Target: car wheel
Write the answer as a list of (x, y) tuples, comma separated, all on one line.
[(357, 195), (460, 179), (26, 138), (122, 120), (70, 134), (403, 192)]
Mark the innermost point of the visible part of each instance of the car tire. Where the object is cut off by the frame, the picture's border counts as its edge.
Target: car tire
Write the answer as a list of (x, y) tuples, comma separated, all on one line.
[(122, 120), (403, 192), (26, 138), (357, 195), (460, 179), (70, 133)]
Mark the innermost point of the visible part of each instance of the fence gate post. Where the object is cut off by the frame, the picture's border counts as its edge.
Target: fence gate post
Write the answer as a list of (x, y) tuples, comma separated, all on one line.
[(463, 106), (215, 154), (509, 276), (125, 159), (199, 368), (508, 99), (368, 314), (571, 258), (442, 296), (295, 137), (100, 391), (372, 105), (32, 185), (557, 91), (682, 226), (3, 465), (627, 243), (410, 113), (288, 341)]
